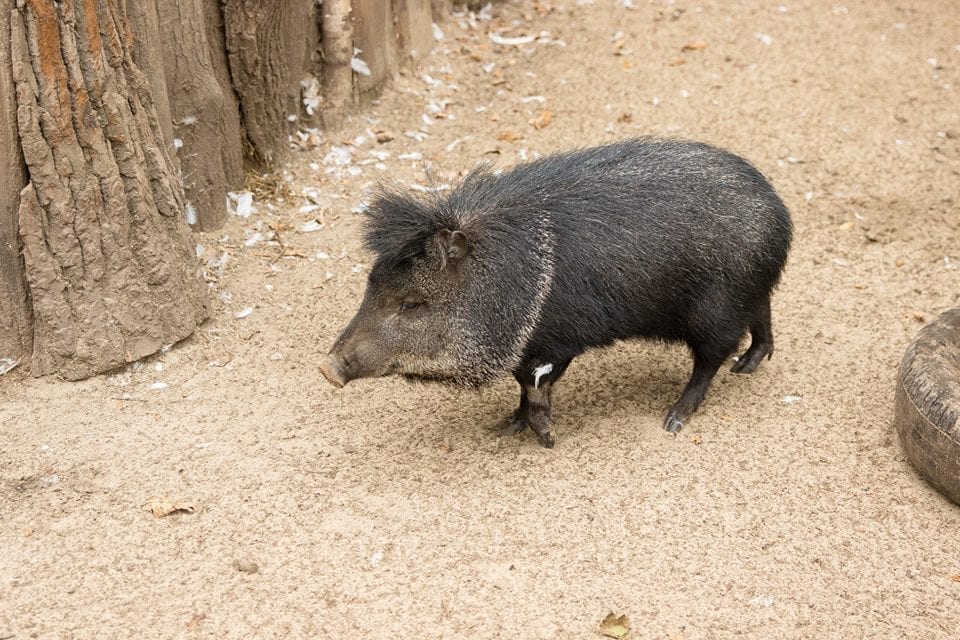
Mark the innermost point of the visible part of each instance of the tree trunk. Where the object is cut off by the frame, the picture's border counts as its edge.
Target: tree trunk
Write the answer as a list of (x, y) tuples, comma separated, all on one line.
[(148, 54), (414, 30), (231, 129), (107, 253), (119, 120), (373, 35), (441, 9), (337, 39), (15, 339), (197, 108), (269, 54)]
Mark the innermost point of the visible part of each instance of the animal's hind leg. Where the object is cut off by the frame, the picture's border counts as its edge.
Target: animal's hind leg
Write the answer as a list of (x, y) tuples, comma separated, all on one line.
[(761, 341), (517, 421), (706, 363)]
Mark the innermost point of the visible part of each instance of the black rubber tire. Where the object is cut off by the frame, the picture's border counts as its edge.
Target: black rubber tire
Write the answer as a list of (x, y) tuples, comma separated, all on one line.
[(927, 404)]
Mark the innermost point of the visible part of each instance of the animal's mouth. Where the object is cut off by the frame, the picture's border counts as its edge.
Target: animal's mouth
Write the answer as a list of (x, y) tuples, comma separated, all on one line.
[(333, 372), (339, 370)]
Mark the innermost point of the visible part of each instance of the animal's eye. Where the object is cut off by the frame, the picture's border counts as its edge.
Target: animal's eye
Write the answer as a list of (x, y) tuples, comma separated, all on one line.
[(409, 305)]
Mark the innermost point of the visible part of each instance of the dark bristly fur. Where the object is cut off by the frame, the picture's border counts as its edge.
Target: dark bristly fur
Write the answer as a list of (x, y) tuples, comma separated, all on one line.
[(397, 226), (522, 271)]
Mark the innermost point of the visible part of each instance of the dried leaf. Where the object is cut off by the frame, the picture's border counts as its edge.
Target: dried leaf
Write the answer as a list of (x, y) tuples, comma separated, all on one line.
[(676, 62), (696, 45), (625, 117), (510, 136), (614, 626), (956, 578), (543, 120), (164, 506), (195, 620)]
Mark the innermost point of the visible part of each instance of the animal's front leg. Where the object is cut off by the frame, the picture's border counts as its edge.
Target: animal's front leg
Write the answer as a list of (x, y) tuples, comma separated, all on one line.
[(536, 383), (538, 413)]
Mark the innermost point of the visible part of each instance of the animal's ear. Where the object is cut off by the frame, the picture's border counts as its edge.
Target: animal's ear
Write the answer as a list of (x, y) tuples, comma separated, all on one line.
[(454, 247)]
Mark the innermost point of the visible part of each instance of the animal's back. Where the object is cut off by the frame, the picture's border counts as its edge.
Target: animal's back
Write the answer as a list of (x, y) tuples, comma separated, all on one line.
[(646, 232)]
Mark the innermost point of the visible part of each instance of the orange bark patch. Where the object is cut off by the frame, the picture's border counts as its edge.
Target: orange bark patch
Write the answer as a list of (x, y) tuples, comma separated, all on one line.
[(94, 44), (53, 72), (92, 23), (52, 69), (48, 27)]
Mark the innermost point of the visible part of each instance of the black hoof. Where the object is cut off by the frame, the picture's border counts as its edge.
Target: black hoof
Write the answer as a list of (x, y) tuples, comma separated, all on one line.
[(672, 424), (547, 439), (744, 365), (749, 361)]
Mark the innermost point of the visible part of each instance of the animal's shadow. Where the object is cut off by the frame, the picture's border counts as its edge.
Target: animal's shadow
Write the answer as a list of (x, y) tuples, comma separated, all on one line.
[(633, 380)]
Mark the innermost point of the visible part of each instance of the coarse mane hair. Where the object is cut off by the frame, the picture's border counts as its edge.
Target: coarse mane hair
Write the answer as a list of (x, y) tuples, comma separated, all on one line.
[(399, 223)]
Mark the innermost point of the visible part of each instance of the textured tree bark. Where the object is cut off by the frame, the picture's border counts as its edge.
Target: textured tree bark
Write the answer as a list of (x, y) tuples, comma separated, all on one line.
[(441, 9), (269, 53), (414, 31), (197, 108), (148, 54), (337, 39), (231, 130), (15, 321), (373, 34), (110, 109), (107, 253)]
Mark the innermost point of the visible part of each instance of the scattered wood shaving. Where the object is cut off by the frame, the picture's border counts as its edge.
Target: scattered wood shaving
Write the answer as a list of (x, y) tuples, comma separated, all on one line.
[(164, 506), (502, 40), (510, 136), (543, 120), (268, 186)]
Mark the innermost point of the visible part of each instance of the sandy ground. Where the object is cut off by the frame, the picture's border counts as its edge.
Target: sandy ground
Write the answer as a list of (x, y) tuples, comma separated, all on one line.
[(391, 510)]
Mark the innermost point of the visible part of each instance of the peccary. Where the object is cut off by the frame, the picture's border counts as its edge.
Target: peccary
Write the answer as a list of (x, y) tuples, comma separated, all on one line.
[(521, 271)]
